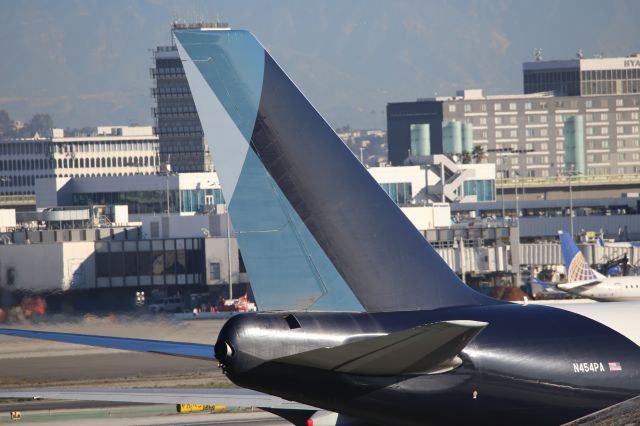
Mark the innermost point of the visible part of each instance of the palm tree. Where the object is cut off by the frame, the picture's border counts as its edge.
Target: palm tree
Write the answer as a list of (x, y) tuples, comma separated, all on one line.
[(466, 157), (478, 153)]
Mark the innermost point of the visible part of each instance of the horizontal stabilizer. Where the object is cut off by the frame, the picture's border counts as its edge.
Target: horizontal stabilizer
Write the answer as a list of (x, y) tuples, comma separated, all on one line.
[(431, 348), (226, 397), (577, 284), (181, 349)]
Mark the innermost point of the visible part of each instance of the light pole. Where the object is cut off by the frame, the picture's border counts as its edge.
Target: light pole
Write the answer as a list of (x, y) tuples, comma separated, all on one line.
[(179, 196), (518, 275), (502, 178), (167, 172), (228, 220), (571, 205), (166, 178), (229, 253), (503, 162), (570, 173), (516, 193)]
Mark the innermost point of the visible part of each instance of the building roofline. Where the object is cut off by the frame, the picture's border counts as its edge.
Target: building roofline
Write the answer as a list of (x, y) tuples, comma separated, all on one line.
[(105, 138), (549, 65), (488, 97)]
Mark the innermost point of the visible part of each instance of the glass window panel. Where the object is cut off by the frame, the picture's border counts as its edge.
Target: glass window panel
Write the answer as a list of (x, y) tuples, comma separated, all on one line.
[(201, 199), (181, 262), (144, 263), (116, 264), (102, 264), (102, 247), (170, 262), (157, 262), (214, 271), (393, 192), (131, 265), (193, 261), (193, 200)]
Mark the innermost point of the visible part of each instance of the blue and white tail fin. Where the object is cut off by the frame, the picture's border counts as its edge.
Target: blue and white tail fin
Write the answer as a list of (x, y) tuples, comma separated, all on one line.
[(578, 269), (542, 285), (622, 244), (315, 229)]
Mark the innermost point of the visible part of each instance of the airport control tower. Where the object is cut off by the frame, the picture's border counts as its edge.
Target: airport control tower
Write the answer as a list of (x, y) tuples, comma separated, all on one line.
[(177, 125)]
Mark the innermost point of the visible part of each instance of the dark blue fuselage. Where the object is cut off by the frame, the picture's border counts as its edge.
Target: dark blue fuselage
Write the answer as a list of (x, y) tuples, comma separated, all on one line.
[(531, 365)]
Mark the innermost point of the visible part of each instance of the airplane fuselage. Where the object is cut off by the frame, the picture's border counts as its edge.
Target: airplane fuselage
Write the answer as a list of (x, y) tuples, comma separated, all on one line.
[(613, 289), (530, 365)]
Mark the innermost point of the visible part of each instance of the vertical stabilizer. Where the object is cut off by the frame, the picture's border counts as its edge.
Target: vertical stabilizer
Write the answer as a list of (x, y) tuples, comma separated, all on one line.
[(314, 227), (578, 269)]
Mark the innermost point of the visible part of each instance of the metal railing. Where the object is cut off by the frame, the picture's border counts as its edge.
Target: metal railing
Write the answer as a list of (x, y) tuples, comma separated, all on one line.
[(22, 199), (563, 180)]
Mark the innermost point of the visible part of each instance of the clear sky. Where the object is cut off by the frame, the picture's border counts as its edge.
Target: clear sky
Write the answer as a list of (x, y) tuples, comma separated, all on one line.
[(87, 62)]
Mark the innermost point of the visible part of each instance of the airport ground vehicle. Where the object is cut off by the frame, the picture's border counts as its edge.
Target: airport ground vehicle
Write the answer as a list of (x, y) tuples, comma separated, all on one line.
[(166, 304), (241, 304)]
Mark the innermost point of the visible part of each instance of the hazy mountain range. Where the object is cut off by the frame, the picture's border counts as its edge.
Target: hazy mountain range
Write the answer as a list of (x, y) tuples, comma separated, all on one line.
[(87, 62)]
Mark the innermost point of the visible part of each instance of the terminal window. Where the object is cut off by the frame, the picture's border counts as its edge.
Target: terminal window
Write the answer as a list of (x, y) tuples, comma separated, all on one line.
[(170, 260), (399, 192), (484, 190), (214, 271)]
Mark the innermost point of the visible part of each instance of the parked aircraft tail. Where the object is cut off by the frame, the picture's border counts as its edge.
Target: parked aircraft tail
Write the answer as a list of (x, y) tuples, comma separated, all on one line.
[(543, 285), (621, 244), (315, 229), (578, 269)]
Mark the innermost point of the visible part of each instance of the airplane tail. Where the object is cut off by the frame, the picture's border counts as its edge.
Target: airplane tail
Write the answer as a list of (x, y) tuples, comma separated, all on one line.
[(545, 286), (315, 229), (578, 269)]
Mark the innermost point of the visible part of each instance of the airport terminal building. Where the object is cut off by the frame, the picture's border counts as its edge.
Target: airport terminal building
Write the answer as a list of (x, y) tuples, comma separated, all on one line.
[(110, 151), (534, 135), (578, 116)]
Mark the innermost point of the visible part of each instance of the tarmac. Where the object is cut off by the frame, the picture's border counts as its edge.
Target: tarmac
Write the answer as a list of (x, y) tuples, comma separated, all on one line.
[(33, 363), (140, 416)]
